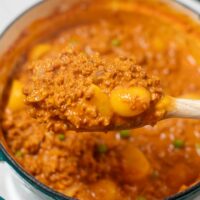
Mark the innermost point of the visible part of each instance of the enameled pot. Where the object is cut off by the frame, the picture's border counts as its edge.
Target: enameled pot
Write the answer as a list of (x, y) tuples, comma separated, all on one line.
[(7, 41)]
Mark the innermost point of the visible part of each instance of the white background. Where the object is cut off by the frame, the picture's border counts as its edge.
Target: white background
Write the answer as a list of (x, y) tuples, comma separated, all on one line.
[(9, 9)]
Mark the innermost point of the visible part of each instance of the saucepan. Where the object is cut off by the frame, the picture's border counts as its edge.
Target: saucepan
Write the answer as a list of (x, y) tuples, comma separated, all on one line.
[(8, 48)]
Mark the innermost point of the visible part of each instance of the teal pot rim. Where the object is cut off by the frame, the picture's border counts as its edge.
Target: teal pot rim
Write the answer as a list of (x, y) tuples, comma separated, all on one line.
[(188, 194), (4, 156)]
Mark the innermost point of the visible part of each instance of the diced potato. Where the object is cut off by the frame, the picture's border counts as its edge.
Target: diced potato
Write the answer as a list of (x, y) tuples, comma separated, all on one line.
[(158, 44), (135, 164), (104, 189), (107, 189), (39, 50), (129, 102), (16, 98), (72, 190), (117, 5), (101, 101)]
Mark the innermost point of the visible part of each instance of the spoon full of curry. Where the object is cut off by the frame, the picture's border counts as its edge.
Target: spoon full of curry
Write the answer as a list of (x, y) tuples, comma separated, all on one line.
[(87, 92)]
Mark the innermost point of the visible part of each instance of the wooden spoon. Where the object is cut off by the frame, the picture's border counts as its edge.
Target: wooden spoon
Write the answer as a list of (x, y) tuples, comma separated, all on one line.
[(183, 108), (87, 92)]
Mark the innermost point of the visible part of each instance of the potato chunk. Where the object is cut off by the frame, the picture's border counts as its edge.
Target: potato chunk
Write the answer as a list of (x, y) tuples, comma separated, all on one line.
[(135, 164), (101, 101), (129, 102), (16, 98), (39, 50), (107, 189)]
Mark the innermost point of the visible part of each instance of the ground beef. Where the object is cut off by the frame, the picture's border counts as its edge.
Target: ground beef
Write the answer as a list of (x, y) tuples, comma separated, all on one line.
[(61, 90)]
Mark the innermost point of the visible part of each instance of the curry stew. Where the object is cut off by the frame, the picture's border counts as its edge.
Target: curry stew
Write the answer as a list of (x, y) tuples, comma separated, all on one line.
[(149, 163), (87, 92)]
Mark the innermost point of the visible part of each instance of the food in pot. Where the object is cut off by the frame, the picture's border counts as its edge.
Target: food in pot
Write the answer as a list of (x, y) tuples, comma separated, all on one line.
[(83, 92), (148, 163)]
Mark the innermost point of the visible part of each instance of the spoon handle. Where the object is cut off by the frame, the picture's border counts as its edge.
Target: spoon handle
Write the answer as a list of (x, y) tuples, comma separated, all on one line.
[(185, 108)]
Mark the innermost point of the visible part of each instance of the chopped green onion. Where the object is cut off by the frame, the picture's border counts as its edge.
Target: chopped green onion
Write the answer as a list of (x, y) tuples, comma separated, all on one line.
[(116, 42), (18, 153), (73, 41), (140, 198), (61, 137), (102, 148), (178, 143), (124, 133), (155, 174)]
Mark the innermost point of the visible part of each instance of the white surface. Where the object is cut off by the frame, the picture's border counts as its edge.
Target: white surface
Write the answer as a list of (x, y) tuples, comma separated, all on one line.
[(10, 187), (192, 3), (10, 9)]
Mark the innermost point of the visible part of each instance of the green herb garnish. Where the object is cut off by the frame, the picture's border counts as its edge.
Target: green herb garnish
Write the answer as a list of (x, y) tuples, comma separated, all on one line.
[(72, 42), (116, 42), (140, 198), (155, 174), (124, 133), (178, 143), (102, 148), (61, 137), (18, 154)]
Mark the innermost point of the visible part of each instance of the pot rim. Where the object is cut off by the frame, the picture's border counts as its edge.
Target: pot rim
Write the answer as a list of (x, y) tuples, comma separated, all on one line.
[(47, 190), (7, 157)]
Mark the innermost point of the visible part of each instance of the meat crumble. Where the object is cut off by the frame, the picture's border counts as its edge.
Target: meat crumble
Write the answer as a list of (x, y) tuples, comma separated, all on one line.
[(82, 91)]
